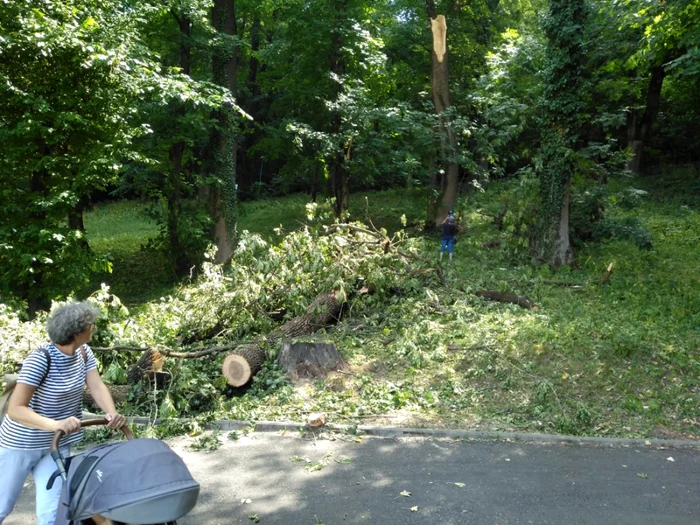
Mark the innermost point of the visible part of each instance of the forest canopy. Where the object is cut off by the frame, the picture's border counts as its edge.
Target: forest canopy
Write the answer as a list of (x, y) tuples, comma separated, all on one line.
[(197, 105)]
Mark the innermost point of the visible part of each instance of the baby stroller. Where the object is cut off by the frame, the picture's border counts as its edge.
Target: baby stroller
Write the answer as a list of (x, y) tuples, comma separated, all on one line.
[(138, 481)]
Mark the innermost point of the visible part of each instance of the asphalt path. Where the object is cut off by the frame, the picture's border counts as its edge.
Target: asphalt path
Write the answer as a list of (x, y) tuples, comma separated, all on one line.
[(294, 480)]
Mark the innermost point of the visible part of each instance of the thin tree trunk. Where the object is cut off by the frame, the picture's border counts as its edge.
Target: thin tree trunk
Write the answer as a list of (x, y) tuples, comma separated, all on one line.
[(36, 297), (339, 175), (563, 254), (178, 256), (222, 199), (638, 126), (439, 80)]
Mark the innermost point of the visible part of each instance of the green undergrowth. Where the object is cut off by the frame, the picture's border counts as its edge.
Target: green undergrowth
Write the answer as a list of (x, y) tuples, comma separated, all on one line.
[(613, 359)]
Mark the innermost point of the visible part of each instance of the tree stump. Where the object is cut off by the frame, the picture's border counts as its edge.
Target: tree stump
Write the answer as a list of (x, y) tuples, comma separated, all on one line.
[(310, 360), (240, 366)]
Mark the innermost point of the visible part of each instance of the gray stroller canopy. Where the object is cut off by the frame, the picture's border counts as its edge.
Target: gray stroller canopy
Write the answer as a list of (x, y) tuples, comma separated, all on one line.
[(137, 481)]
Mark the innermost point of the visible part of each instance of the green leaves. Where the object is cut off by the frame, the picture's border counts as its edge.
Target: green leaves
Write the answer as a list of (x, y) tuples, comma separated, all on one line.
[(73, 77)]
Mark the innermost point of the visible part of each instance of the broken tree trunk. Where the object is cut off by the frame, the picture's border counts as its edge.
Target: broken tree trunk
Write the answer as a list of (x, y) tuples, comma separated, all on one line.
[(324, 311), (606, 275), (150, 363), (309, 360), (503, 297), (439, 81), (240, 366)]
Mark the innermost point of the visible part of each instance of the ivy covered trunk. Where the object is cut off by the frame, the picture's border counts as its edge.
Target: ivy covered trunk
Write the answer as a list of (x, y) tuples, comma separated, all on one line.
[(222, 198), (563, 107), (439, 80)]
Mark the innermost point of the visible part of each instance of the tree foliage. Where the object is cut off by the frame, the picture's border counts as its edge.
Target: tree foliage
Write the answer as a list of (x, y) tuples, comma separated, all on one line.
[(143, 99)]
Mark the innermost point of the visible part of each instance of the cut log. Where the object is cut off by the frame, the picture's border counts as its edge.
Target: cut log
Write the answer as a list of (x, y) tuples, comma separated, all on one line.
[(240, 366), (310, 360), (119, 395), (503, 297), (324, 311)]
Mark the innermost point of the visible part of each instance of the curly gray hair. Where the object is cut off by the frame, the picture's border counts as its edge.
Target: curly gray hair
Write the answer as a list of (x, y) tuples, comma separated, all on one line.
[(69, 320)]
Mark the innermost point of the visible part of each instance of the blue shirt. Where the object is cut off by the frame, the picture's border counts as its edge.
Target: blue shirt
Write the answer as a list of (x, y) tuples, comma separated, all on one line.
[(59, 396), (448, 230)]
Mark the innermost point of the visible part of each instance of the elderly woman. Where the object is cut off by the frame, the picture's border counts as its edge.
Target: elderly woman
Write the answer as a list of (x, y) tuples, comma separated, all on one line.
[(47, 398)]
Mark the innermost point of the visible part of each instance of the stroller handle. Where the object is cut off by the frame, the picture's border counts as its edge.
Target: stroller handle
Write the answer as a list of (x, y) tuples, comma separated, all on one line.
[(88, 423)]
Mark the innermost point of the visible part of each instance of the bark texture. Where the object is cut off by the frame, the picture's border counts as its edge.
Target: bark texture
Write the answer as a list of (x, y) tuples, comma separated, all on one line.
[(240, 366), (222, 198), (309, 360), (324, 311), (119, 395), (439, 81)]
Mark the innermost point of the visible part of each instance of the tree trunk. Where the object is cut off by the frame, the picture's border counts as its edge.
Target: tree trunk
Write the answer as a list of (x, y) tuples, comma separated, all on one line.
[(240, 366), (339, 175), (563, 254), (340, 182), (76, 222), (36, 297), (324, 311), (172, 189), (149, 363), (222, 199), (309, 360), (638, 126), (439, 81)]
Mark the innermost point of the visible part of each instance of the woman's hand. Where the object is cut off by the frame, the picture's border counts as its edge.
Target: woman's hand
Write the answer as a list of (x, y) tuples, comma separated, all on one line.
[(116, 420), (68, 425)]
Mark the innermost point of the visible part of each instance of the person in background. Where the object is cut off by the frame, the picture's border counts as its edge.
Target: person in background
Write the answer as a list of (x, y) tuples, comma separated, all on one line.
[(48, 397), (449, 230)]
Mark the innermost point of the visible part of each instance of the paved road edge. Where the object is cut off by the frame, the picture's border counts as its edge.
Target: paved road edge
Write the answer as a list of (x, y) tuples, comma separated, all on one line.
[(392, 432)]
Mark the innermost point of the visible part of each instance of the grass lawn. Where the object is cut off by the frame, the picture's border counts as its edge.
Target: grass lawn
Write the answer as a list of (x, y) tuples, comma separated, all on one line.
[(121, 231)]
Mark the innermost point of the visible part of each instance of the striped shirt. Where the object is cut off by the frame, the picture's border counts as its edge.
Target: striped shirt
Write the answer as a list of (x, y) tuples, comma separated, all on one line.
[(59, 396)]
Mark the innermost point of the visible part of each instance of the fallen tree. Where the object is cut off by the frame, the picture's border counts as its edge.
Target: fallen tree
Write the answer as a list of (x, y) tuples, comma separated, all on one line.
[(339, 255), (246, 359)]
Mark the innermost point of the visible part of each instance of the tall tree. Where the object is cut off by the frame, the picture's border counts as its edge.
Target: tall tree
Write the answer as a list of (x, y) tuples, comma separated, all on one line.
[(223, 196), (439, 81), (339, 174), (563, 105), (173, 191)]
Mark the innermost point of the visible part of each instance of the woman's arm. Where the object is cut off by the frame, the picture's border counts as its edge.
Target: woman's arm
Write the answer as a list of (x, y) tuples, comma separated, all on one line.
[(100, 393), (19, 411)]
